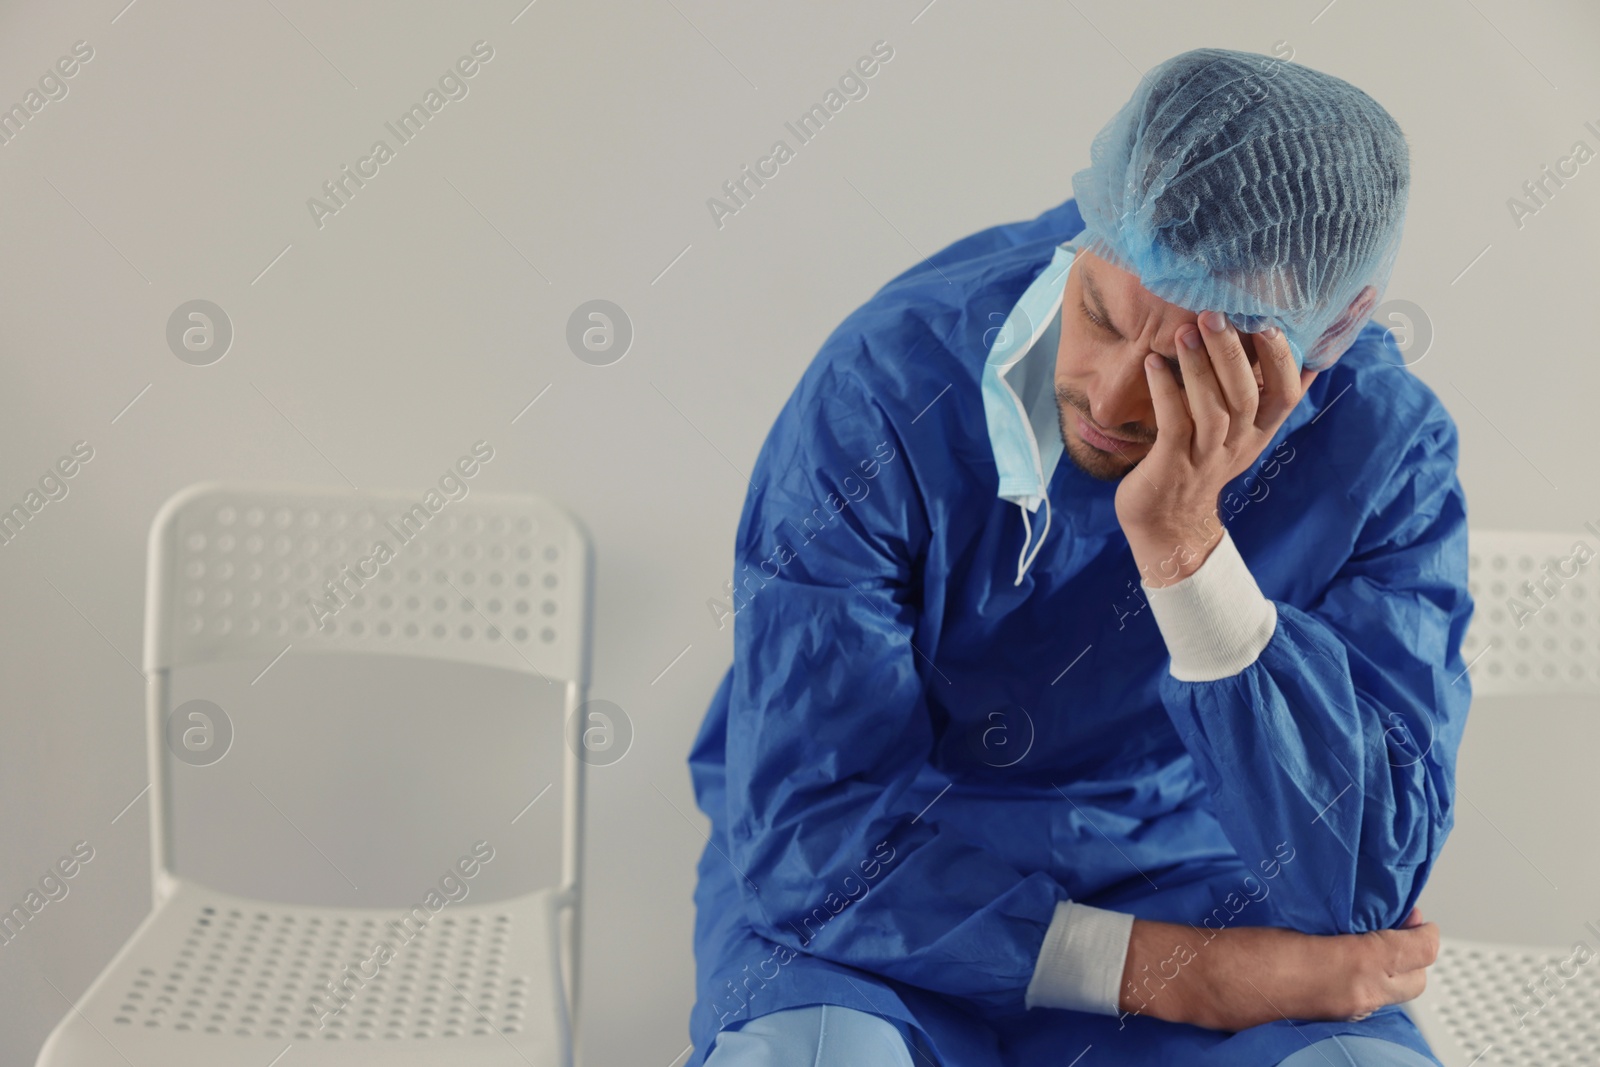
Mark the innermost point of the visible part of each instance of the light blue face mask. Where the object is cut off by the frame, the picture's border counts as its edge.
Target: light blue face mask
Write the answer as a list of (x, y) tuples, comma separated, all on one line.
[(1019, 399)]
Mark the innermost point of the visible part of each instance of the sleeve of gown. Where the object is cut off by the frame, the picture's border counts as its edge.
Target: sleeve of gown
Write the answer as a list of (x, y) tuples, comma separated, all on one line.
[(1328, 736), (828, 724)]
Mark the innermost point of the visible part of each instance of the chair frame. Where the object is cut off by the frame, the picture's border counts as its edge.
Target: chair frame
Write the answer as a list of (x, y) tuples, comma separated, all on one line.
[(159, 602)]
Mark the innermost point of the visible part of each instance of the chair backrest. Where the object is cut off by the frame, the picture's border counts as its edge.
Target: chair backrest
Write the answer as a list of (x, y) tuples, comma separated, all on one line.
[(238, 572), (248, 575), (1536, 623)]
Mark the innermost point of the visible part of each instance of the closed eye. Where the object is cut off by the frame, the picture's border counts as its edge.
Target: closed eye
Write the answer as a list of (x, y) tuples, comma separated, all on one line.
[(1097, 320)]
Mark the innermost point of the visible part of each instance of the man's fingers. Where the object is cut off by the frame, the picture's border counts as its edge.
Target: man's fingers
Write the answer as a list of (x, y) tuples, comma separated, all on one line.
[(1207, 406), (1412, 948), (1408, 986), (1395, 989), (1282, 383), (1172, 416), (1230, 364)]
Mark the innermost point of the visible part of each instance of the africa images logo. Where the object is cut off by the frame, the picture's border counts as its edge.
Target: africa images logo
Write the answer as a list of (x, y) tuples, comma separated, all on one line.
[(406, 527), (852, 85), (855, 490), (453, 85)]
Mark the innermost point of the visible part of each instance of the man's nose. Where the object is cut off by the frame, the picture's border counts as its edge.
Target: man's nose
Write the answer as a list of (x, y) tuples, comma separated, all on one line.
[(1121, 396)]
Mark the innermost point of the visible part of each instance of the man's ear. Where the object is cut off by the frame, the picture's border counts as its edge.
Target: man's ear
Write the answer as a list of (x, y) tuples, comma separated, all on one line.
[(1336, 338)]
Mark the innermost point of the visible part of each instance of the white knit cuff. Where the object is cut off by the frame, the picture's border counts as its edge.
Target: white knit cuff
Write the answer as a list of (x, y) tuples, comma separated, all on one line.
[(1216, 621), (1080, 964)]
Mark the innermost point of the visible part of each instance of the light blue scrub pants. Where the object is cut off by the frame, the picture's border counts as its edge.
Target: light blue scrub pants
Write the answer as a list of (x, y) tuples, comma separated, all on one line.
[(830, 1036)]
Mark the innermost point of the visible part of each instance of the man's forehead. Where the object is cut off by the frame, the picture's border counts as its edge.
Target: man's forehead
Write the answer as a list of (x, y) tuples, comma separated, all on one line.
[(1098, 276), (1101, 278)]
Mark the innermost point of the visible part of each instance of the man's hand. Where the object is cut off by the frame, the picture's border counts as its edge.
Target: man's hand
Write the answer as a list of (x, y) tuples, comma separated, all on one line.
[(1249, 975), (1209, 430)]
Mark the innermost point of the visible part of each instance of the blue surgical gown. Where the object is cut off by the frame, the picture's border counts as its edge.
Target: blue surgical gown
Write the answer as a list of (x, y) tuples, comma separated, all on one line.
[(913, 759)]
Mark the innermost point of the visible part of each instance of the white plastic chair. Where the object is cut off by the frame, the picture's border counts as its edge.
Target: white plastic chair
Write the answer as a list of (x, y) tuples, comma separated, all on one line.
[(1549, 648), (209, 977)]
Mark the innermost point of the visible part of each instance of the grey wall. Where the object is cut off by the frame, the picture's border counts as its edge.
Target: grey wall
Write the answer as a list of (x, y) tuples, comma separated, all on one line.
[(427, 313)]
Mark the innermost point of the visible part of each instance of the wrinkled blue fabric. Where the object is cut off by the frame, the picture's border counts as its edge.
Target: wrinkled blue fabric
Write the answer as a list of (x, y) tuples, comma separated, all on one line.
[(912, 759), (1242, 183)]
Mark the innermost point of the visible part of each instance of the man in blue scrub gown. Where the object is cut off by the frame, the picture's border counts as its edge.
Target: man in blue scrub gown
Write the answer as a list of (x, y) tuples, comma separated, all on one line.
[(1021, 760)]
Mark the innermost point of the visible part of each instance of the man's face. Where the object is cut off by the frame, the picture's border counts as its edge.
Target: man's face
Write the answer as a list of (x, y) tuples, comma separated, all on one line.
[(1108, 423)]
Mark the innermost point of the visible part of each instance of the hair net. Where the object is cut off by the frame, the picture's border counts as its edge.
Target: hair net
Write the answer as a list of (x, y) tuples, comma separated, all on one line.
[(1259, 188)]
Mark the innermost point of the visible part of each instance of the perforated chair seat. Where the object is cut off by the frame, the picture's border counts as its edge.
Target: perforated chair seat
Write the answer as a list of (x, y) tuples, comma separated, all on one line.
[(1480, 1006), (211, 979)]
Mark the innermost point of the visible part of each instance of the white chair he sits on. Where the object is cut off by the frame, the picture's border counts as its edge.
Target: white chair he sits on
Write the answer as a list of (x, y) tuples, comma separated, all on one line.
[(491, 591), (1467, 1010)]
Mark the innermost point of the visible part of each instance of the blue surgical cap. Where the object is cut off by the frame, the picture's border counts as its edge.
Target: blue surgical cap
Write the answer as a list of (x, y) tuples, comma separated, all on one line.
[(1256, 187)]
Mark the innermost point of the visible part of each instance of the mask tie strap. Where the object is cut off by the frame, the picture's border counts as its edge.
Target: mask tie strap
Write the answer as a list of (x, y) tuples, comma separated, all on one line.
[(1025, 558)]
